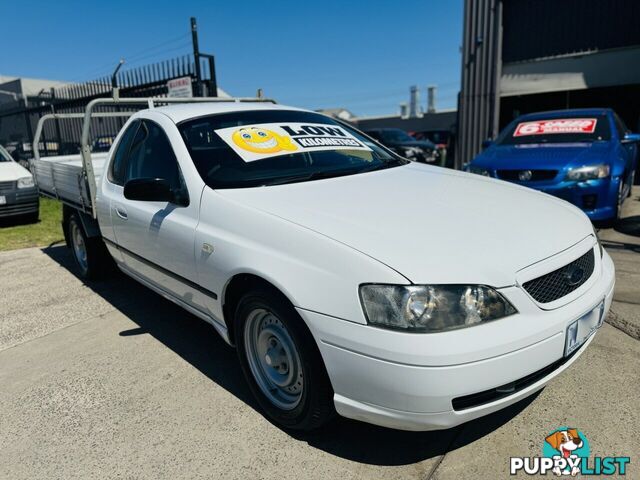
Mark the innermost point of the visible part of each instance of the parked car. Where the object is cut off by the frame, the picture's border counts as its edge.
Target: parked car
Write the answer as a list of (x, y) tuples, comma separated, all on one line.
[(440, 138), (585, 156), (405, 145), (18, 194), (343, 274)]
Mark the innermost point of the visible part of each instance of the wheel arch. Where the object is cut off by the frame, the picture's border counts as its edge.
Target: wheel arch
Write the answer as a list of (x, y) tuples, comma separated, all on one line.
[(89, 224), (238, 285)]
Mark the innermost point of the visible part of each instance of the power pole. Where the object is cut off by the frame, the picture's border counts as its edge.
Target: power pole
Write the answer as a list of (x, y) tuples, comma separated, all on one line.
[(196, 55)]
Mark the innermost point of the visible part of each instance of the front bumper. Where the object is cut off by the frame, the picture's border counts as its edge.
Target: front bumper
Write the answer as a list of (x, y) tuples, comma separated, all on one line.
[(410, 381), (19, 201)]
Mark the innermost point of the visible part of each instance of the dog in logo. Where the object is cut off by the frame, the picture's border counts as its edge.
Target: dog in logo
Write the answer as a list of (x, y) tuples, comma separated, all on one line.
[(565, 442)]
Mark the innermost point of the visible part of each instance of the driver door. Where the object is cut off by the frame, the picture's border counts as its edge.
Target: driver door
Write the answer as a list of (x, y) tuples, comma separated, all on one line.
[(156, 239)]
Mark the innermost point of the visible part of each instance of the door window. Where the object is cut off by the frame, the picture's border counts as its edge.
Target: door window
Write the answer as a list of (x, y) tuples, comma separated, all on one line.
[(151, 156), (116, 172)]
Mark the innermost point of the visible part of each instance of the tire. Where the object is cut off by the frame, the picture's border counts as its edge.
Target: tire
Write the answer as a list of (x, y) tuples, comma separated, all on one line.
[(33, 217), (620, 200), (296, 394), (90, 254)]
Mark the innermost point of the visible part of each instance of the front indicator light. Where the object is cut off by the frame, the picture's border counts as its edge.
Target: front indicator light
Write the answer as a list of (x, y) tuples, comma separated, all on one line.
[(595, 234), (479, 171), (25, 182), (432, 308)]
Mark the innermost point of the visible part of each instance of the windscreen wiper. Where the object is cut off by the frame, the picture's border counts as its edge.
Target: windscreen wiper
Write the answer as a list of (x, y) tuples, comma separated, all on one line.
[(309, 176), (332, 173)]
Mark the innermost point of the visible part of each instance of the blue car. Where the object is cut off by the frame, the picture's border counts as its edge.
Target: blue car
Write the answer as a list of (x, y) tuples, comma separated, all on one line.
[(585, 156)]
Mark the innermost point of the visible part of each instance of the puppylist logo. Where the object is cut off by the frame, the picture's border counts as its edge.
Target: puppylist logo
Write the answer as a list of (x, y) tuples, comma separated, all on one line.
[(565, 451)]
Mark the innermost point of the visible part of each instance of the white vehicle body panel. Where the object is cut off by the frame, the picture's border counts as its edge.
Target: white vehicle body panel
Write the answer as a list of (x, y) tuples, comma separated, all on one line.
[(430, 224), (12, 171)]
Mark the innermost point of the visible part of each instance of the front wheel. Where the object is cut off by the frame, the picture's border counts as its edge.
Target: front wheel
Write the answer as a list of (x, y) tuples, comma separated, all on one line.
[(621, 199), (281, 362), (33, 217)]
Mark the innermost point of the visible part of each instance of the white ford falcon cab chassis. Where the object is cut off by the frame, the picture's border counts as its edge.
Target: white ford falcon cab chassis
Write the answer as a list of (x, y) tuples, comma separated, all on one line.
[(349, 280)]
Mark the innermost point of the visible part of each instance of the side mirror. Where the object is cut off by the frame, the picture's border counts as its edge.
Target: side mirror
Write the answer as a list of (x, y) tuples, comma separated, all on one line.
[(631, 137), (487, 143), (149, 189)]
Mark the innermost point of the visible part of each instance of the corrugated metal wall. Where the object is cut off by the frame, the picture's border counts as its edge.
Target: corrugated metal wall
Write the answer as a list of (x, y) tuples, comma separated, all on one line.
[(478, 103), (547, 28)]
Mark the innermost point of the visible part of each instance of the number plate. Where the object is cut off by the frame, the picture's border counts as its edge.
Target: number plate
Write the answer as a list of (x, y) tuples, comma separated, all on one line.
[(581, 329), (3, 200)]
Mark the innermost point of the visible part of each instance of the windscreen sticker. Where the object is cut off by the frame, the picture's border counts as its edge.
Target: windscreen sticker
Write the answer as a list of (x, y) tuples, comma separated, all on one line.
[(264, 140), (561, 125)]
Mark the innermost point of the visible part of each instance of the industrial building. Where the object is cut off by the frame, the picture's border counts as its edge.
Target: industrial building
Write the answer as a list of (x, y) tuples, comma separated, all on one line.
[(522, 56)]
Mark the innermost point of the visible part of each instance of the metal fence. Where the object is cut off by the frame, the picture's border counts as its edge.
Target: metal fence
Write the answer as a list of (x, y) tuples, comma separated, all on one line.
[(18, 120)]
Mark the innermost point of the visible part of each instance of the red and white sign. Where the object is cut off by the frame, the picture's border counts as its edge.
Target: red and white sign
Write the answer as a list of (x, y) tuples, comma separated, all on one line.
[(560, 125), (179, 88)]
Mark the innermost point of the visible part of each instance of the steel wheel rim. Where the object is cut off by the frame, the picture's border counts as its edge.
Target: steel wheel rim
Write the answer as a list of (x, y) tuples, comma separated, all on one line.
[(273, 359), (79, 246)]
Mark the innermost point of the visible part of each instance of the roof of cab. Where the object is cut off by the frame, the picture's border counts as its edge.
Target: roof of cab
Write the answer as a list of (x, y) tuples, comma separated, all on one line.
[(186, 111)]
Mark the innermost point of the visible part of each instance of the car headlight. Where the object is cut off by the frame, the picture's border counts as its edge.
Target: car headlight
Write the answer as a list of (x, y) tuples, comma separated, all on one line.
[(25, 182), (479, 171), (595, 233), (412, 152), (432, 308), (590, 172)]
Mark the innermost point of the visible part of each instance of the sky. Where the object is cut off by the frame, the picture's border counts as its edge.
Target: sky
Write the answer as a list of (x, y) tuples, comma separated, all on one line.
[(357, 54)]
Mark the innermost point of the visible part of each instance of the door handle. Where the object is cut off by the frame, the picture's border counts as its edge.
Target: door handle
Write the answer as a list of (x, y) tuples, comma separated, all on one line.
[(121, 212)]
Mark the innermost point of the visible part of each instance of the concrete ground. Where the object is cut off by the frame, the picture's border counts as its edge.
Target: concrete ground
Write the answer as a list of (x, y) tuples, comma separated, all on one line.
[(623, 244), (109, 380)]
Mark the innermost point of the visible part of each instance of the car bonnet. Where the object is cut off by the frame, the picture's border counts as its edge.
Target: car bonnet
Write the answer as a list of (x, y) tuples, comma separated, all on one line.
[(430, 224)]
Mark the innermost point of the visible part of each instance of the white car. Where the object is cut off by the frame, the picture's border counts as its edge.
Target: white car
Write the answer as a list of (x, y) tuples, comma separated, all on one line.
[(18, 194), (348, 278)]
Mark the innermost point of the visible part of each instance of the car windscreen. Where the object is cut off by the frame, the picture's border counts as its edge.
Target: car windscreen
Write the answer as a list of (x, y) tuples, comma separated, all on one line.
[(569, 129), (273, 147), (4, 155)]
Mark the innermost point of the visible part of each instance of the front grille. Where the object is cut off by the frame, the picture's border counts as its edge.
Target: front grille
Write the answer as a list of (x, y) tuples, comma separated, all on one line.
[(536, 175), (562, 281), (17, 209), (7, 187)]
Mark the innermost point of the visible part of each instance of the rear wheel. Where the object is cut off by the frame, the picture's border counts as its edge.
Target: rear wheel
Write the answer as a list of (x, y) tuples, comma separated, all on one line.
[(90, 254), (281, 361)]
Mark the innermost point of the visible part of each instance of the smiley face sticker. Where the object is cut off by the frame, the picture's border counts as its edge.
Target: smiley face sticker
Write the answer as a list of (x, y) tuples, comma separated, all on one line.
[(262, 140)]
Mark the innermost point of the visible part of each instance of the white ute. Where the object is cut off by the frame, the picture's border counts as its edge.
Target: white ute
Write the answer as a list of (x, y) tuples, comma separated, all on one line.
[(348, 278), (18, 194)]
